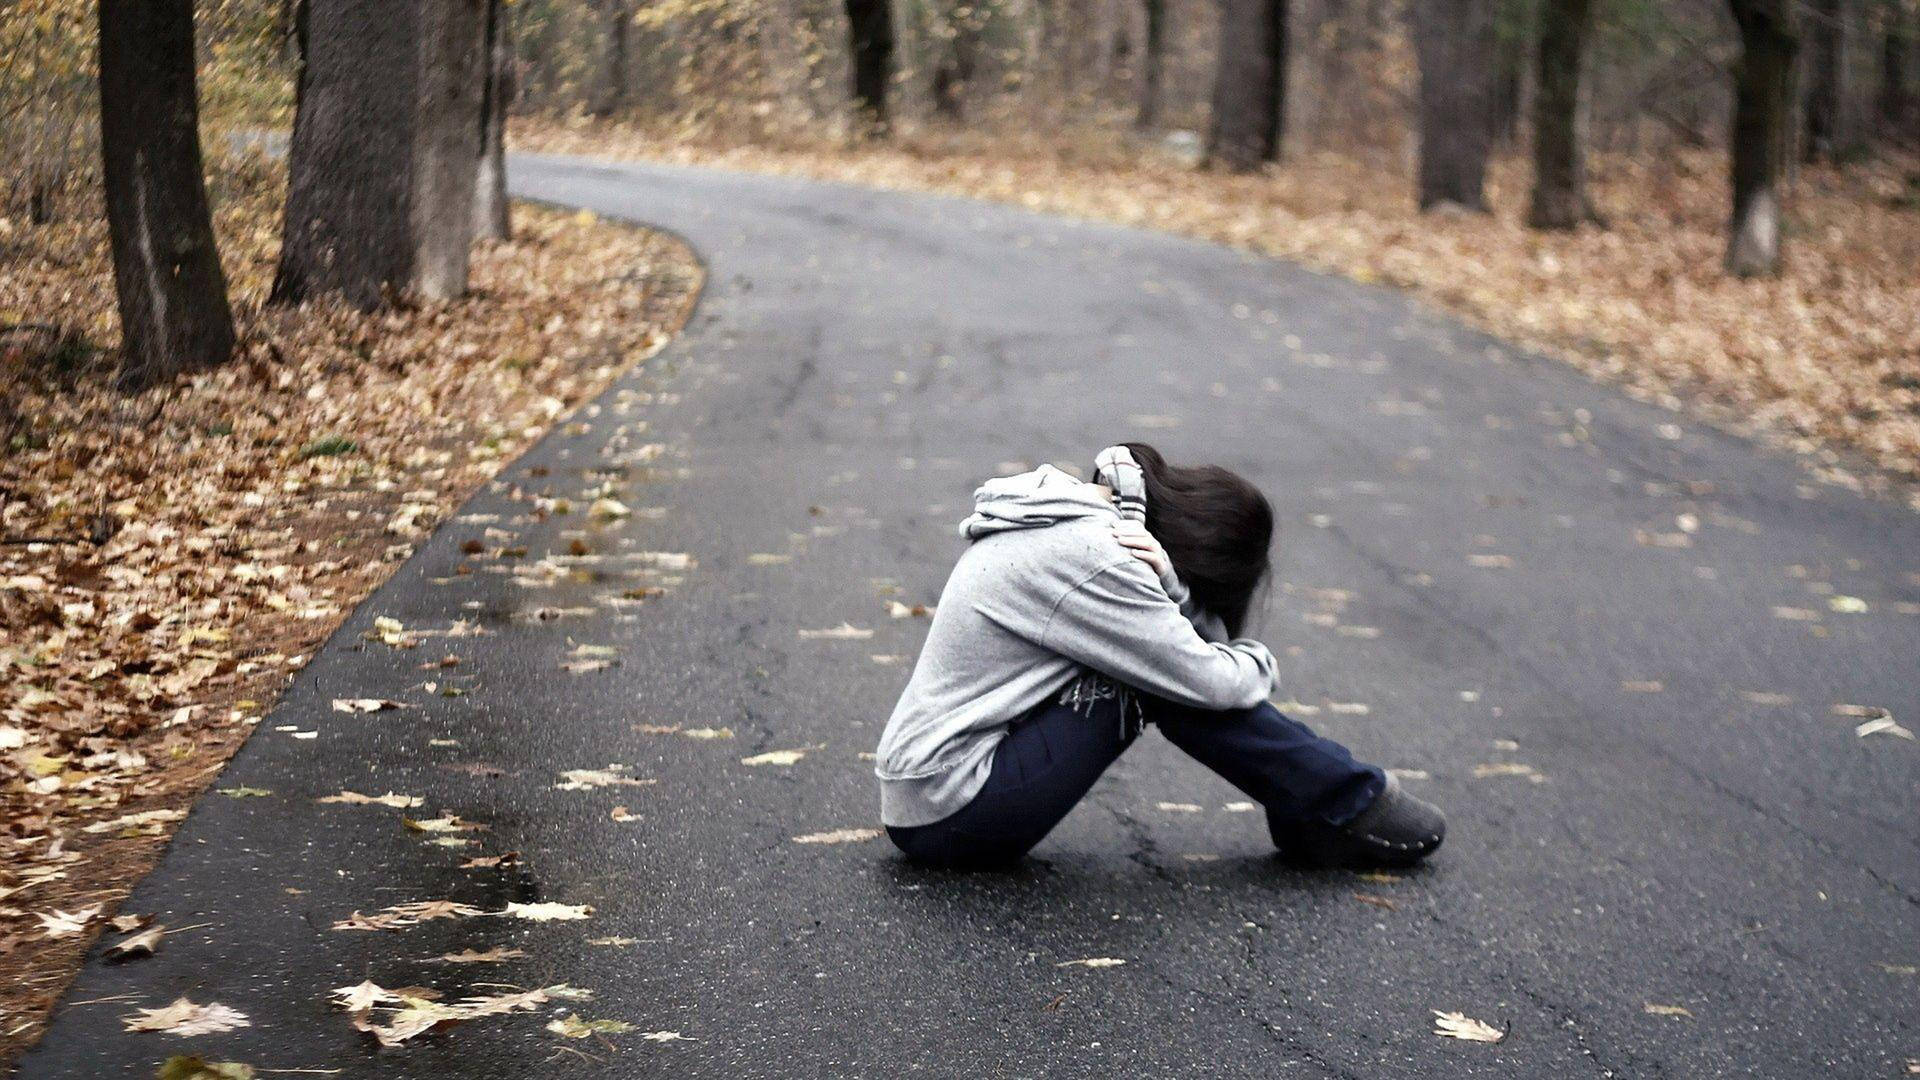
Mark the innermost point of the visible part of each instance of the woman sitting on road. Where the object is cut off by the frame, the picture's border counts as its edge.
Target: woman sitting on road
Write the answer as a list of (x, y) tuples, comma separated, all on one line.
[(1083, 611)]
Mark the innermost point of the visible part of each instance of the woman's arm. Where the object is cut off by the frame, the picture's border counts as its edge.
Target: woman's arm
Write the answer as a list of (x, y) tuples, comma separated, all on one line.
[(1121, 622)]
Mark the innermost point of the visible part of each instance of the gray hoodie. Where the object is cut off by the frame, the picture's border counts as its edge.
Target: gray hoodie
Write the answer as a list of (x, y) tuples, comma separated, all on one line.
[(1044, 592)]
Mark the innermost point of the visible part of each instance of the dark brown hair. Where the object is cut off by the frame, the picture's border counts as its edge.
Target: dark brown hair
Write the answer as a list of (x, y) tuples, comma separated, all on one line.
[(1217, 529)]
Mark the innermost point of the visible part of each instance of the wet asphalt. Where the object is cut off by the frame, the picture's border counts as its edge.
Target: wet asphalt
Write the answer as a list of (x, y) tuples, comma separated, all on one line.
[(1602, 635)]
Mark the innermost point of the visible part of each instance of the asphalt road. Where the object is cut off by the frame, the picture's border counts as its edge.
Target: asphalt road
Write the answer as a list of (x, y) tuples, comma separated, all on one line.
[(1563, 607)]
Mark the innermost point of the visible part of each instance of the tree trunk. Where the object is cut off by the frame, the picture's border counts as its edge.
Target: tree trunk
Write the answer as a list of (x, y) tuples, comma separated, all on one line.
[(870, 23), (611, 95), (1896, 52), (1827, 135), (1152, 66), (1513, 31), (954, 70), (166, 270), (491, 218), (1453, 40), (1249, 87), (1762, 108), (382, 170), (1559, 119)]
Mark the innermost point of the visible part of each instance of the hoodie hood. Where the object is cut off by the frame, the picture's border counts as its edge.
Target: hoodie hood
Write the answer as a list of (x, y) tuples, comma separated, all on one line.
[(1033, 500)]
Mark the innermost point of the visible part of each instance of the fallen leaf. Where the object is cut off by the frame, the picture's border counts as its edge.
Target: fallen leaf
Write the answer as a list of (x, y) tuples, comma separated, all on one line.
[(193, 1068), (898, 610), (409, 914), (59, 924), (1667, 1010), (1455, 1025), (143, 943), (1349, 708), (1092, 962), (665, 1036), (134, 821), (708, 733), (774, 757), (485, 862), (573, 1027), (1847, 605), (1377, 901), (608, 509), (611, 776), (363, 995), (125, 924), (183, 1017), (1861, 712), (1241, 807), (547, 911), (887, 659), (837, 836), (1178, 807), (450, 823), (582, 667), (843, 632), (244, 792), (621, 813), (1885, 725), (496, 955), (365, 705), (393, 799)]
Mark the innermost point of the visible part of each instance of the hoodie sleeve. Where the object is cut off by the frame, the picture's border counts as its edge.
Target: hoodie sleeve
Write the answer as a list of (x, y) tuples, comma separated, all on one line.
[(1205, 622), (1120, 621)]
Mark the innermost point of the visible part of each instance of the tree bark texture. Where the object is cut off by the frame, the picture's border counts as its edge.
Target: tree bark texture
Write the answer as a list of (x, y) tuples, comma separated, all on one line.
[(1454, 43), (385, 149), (1249, 88), (1762, 111), (1559, 118), (166, 269)]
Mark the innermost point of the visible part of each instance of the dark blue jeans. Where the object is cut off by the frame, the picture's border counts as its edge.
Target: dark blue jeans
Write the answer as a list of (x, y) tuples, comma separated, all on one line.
[(1052, 756)]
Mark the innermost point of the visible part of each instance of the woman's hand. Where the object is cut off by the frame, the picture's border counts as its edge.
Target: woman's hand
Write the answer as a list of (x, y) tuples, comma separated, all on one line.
[(1135, 538)]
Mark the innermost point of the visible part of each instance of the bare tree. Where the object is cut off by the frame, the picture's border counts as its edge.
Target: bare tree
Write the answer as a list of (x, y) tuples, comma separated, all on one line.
[(1559, 118), (957, 30), (1454, 43), (1249, 88), (491, 218), (1895, 100), (1153, 62), (610, 93), (1828, 131), (870, 24), (1762, 111), (166, 270), (385, 144)]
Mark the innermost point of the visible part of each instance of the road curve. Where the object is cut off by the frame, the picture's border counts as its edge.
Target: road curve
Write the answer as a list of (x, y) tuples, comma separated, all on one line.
[(1605, 635)]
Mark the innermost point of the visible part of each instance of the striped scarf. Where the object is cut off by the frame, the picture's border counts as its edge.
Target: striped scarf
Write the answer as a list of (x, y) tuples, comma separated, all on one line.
[(1116, 468)]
